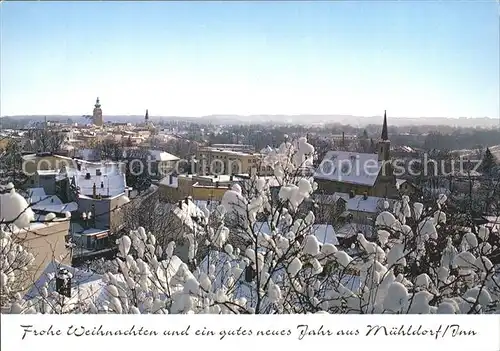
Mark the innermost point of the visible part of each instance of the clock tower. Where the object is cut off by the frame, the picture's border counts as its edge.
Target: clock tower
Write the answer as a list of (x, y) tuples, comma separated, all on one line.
[(97, 115)]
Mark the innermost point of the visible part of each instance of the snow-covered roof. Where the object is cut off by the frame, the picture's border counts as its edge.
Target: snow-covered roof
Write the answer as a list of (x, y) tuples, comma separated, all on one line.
[(266, 150), (493, 223), (352, 229), (36, 192), (93, 232), (227, 152), (58, 208), (348, 167), (399, 182), (330, 198), (81, 280), (223, 178), (111, 178), (159, 155), (88, 154), (325, 234), (211, 205), (47, 172), (88, 286), (371, 204), (48, 203)]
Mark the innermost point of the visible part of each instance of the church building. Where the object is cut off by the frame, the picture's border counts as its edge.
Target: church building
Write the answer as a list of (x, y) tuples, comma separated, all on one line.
[(369, 174)]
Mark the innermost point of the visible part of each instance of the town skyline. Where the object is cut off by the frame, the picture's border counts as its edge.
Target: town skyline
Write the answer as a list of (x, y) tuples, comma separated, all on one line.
[(202, 59)]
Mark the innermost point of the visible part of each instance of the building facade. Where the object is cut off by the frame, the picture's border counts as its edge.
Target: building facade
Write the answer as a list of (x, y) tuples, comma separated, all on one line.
[(225, 162), (359, 173)]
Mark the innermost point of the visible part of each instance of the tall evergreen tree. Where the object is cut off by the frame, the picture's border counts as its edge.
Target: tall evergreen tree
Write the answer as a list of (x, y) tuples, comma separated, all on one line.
[(489, 162)]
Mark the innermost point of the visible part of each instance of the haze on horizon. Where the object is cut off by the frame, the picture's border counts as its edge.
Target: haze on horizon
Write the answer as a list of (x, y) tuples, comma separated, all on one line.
[(415, 59)]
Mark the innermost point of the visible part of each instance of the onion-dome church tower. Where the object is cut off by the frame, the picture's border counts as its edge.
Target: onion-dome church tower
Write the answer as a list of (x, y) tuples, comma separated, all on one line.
[(97, 115)]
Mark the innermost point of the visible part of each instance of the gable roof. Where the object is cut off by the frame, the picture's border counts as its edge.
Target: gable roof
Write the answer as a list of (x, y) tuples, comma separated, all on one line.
[(40, 201), (371, 204), (159, 155), (325, 234), (326, 199), (348, 167)]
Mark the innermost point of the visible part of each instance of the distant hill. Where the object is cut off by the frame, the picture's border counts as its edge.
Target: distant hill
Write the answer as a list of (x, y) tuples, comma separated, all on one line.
[(360, 121)]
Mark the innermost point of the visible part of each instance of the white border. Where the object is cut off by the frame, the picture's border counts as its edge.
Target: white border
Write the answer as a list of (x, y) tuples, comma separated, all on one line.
[(487, 329)]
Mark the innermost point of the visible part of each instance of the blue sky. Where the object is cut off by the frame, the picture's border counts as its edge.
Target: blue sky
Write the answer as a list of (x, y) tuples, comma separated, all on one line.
[(418, 58)]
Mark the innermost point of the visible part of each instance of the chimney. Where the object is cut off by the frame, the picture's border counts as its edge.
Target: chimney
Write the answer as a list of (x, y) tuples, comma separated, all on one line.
[(249, 274), (365, 196), (351, 194), (63, 282)]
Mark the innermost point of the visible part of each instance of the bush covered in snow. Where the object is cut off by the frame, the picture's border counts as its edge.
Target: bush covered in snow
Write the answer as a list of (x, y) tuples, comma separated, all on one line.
[(15, 260), (419, 261)]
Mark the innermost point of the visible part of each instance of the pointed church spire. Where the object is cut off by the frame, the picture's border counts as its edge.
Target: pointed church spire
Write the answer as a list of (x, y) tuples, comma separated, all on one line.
[(385, 133), (146, 117)]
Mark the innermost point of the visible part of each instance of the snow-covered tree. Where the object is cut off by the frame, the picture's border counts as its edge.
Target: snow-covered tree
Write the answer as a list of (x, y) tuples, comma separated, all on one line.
[(419, 261), (15, 260), (11, 170), (489, 163)]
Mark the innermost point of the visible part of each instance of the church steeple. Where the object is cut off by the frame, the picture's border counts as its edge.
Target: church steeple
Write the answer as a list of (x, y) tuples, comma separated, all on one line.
[(384, 144), (146, 117), (385, 132), (97, 104)]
